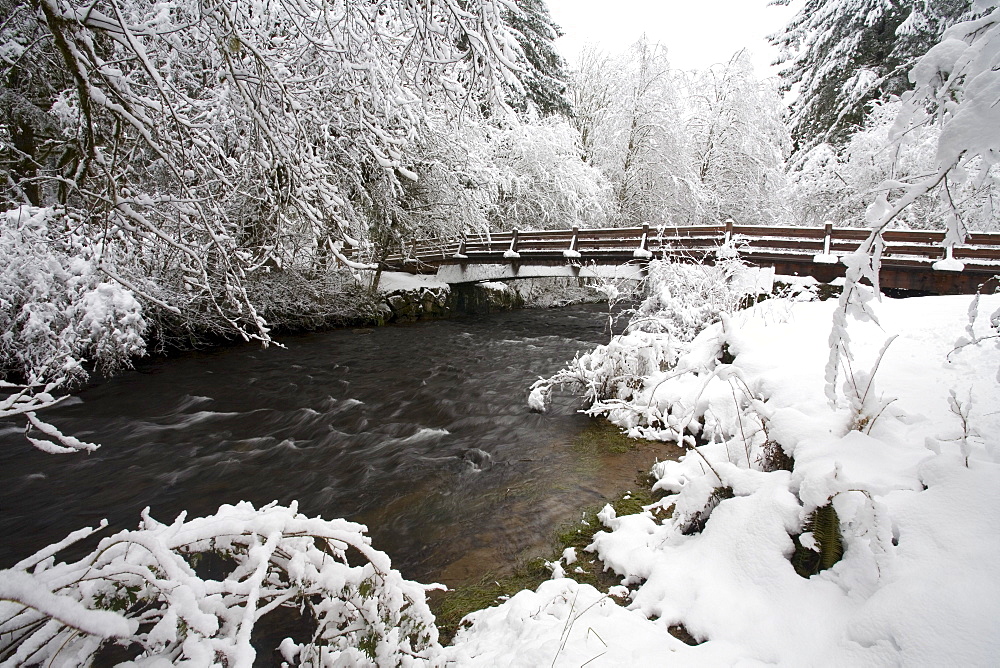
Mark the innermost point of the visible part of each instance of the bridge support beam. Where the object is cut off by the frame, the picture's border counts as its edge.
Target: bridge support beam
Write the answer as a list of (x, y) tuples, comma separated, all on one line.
[(480, 273)]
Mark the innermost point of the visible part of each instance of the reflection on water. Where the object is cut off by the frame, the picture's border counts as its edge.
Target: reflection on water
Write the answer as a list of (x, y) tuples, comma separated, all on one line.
[(422, 432)]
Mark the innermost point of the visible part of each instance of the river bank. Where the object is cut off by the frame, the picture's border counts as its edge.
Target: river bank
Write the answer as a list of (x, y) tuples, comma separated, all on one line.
[(884, 483)]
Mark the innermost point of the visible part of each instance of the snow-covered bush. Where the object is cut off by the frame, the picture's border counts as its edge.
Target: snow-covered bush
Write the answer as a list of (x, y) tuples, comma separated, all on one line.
[(611, 371), (680, 300), (57, 310), (837, 187), (191, 593), (543, 181), (60, 316)]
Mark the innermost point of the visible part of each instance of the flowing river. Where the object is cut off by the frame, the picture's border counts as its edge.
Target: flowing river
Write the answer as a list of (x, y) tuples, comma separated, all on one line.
[(420, 431)]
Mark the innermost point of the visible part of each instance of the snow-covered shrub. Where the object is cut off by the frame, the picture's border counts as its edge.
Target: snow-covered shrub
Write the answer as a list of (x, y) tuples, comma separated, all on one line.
[(191, 593), (59, 315), (57, 310), (612, 371), (683, 298), (680, 300), (543, 181)]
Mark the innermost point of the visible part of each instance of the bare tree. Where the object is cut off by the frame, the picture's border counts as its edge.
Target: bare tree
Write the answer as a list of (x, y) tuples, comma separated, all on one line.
[(739, 141)]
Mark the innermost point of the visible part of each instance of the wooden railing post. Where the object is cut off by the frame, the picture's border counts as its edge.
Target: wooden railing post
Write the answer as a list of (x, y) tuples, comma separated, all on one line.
[(576, 235), (827, 237), (461, 248), (729, 230), (512, 251), (642, 251)]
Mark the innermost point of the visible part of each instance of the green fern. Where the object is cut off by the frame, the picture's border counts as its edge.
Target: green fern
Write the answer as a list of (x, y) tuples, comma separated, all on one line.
[(825, 527)]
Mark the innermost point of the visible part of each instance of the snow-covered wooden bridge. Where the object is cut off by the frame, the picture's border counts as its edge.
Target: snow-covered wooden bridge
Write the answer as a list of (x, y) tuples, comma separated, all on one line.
[(912, 260)]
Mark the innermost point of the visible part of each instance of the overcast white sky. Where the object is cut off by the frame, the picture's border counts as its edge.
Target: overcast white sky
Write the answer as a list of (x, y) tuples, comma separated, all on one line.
[(696, 34)]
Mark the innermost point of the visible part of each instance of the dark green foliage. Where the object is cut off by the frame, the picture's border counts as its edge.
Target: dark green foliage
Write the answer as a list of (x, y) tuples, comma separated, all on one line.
[(841, 56), (825, 527), (119, 601), (545, 80), (368, 645)]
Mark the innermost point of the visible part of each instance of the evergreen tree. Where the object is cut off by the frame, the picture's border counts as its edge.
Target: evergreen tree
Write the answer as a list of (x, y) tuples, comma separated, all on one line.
[(545, 78), (841, 55)]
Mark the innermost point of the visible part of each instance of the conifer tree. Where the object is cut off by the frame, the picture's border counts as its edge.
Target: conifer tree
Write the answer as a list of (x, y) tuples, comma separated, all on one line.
[(545, 76), (841, 55)]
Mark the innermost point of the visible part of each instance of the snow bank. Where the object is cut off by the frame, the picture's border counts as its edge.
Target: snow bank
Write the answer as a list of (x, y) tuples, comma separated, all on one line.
[(908, 459)]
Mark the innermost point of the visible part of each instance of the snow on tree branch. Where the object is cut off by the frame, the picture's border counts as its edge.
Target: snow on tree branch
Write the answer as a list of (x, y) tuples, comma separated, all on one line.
[(192, 592), (957, 87), (208, 140)]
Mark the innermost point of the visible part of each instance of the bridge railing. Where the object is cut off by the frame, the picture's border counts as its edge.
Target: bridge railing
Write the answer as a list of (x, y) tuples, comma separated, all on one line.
[(756, 243)]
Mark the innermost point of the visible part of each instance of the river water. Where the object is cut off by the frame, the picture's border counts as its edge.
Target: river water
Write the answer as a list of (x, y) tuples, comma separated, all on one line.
[(420, 431)]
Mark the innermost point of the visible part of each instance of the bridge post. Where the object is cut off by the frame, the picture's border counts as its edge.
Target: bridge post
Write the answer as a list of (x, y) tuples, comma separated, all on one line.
[(729, 230), (576, 235), (642, 251), (461, 248), (828, 235), (512, 251)]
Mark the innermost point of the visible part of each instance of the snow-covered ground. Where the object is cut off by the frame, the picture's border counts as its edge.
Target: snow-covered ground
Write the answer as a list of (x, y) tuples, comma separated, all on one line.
[(910, 462)]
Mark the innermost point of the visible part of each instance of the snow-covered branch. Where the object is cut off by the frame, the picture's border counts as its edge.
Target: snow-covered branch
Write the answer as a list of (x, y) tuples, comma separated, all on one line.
[(193, 591)]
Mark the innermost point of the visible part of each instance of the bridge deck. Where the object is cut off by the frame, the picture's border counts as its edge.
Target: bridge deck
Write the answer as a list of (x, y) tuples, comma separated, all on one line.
[(912, 260)]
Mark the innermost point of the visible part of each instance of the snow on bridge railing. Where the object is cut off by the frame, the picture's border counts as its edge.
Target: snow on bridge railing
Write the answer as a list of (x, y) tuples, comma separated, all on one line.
[(757, 243)]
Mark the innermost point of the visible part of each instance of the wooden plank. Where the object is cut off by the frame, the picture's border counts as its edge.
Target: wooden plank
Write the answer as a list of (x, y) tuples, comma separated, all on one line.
[(933, 252), (810, 246), (543, 244), (612, 233), (688, 231), (850, 233), (983, 239), (598, 244), (961, 252), (914, 236), (779, 231), (542, 235), (682, 244), (842, 247)]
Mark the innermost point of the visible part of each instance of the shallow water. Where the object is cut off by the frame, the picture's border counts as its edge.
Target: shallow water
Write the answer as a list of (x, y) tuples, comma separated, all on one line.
[(420, 431)]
